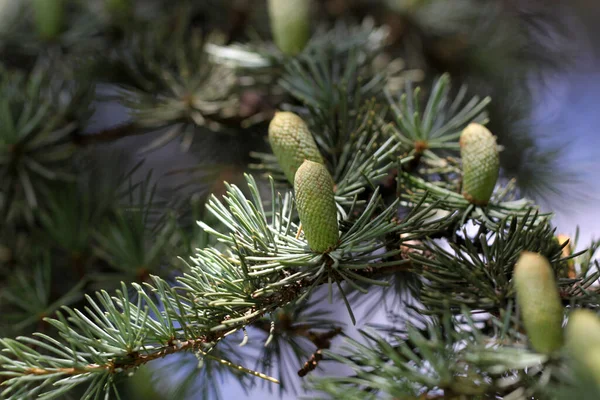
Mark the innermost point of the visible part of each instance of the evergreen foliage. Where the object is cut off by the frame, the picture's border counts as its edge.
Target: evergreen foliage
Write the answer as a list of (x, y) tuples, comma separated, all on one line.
[(107, 271)]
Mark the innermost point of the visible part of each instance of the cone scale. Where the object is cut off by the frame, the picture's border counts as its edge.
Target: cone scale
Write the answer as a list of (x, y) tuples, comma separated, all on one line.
[(480, 163), (292, 143), (539, 302), (316, 206)]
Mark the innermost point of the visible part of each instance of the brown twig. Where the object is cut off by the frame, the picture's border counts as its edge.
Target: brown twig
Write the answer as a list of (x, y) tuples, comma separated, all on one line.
[(311, 364), (136, 360), (109, 135), (270, 304), (323, 341), (67, 371)]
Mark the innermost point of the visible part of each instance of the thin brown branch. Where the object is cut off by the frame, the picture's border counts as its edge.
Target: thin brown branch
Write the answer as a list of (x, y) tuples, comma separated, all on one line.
[(136, 359), (311, 364), (323, 341), (270, 304), (67, 371), (109, 134)]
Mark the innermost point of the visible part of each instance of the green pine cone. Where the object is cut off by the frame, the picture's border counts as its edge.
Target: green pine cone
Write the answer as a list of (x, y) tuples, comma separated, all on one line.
[(583, 342), (480, 163), (49, 17), (539, 302), (316, 206), (582, 332), (292, 143), (119, 7), (290, 24)]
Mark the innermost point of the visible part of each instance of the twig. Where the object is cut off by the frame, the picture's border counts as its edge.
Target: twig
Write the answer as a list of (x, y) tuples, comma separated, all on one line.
[(323, 341), (136, 359), (311, 364), (109, 135), (270, 304)]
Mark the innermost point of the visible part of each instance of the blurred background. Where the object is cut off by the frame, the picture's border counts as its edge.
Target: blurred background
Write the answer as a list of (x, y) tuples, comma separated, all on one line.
[(539, 61)]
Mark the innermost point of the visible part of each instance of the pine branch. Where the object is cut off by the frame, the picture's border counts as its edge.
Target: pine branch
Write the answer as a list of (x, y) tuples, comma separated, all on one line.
[(76, 33), (424, 362), (168, 83), (28, 297), (264, 268), (478, 275), (502, 205), (460, 335), (117, 347), (437, 126), (261, 59), (39, 112)]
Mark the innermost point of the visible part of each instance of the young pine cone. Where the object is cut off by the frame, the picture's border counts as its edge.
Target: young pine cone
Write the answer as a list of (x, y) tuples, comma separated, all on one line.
[(49, 16), (539, 302), (583, 342), (292, 143), (316, 206), (290, 24), (480, 163)]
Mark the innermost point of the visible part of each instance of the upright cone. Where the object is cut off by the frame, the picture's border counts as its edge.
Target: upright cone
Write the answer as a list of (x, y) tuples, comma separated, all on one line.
[(290, 24), (119, 8), (480, 163), (316, 206), (539, 302), (583, 343), (49, 17), (292, 143)]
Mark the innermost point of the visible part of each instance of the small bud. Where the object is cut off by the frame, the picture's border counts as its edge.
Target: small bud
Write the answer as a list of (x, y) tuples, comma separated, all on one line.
[(316, 206), (290, 24), (481, 163), (49, 17), (539, 302), (292, 143), (583, 343)]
